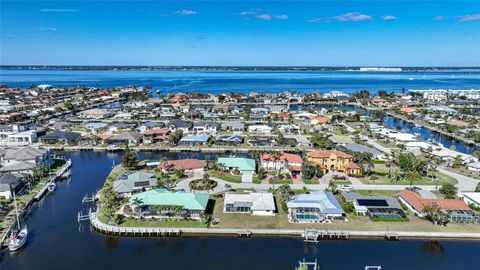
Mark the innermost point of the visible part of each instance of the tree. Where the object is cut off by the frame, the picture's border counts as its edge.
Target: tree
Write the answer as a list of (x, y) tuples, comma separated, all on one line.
[(175, 137), (348, 207), (437, 215), (261, 173), (365, 160), (320, 141), (409, 163), (449, 190), (477, 188), (137, 203), (332, 187), (228, 187), (310, 170), (129, 158), (457, 162)]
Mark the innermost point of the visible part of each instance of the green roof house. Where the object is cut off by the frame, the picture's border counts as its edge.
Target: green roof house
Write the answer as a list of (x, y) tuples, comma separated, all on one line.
[(128, 183), (164, 203), (245, 165)]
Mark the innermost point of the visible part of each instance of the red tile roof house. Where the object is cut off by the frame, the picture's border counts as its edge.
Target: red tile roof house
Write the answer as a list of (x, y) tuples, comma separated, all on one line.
[(282, 163), (190, 166), (417, 204), (155, 135)]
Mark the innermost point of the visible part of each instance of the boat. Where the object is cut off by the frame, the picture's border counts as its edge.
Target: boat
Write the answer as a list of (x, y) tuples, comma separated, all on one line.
[(51, 187), (19, 235), (411, 78), (66, 174), (18, 239)]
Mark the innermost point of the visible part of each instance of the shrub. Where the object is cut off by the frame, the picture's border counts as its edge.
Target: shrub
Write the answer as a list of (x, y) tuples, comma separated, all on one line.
[(374, 177)]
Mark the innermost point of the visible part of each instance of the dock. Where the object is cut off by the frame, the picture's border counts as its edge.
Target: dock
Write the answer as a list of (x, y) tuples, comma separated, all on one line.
[(313, 235)]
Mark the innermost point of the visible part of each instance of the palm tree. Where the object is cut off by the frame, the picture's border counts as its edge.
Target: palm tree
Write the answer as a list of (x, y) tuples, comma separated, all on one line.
[(228, 187), (137, 202)]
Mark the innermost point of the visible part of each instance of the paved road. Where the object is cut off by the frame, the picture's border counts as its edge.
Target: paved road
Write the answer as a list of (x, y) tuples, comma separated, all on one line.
[(465, 183), (264, 187)]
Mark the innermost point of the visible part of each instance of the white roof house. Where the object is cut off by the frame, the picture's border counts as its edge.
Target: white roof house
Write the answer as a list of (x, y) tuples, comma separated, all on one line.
[(259, 204), (259, 129), (472, 198)]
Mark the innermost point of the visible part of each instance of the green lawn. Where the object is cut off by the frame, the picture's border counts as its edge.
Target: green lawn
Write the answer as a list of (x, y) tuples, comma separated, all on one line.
[(227, 176), (310, 181), (381, 171), (165, 224)]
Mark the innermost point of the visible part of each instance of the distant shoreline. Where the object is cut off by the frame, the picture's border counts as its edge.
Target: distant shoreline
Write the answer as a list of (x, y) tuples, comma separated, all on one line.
[(239, 68)]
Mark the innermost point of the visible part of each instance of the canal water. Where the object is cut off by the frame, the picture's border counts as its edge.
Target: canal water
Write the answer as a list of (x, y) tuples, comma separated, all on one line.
[(58, 242), (426, 134)]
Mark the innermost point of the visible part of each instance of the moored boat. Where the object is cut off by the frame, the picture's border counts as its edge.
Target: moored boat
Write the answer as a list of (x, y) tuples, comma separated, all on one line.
[(51, 187), (18, 239), (19, 236)]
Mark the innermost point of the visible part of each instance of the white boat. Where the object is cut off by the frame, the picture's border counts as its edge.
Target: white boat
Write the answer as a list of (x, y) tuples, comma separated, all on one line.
[(411, 78), (66, 174), (19, 236), (18, 239), (51, 187)]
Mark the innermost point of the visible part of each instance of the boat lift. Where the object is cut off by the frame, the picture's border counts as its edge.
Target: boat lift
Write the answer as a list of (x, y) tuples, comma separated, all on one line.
[(303, 265)]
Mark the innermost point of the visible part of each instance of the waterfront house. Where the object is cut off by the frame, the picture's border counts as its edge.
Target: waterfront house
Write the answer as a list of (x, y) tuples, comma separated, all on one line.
[(131, 182), (259, 129), (178, 124), (375, 206), (130, 138), (230, 140), (155, 135), (210, 128), (245, 166), (24, 159), (96, 127), (189, 166), (284, 162), (257, 204), (162, 203), (314, 207), (457, 209), (60, 137), (194, 140), (233, 126), (334, 161), (11, 183)]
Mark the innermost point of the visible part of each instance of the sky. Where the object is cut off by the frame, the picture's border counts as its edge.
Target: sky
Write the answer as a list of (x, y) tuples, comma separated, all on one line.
[(243, 33)]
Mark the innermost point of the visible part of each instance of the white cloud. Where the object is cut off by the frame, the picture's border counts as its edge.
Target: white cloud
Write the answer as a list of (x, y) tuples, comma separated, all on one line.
[(440, 18), (256, 13), (265, 17), (354, 17), (58, 10), (185, 12), (389, 18), (251, 12), (281, 17), (469, 18), (47, 29), (318, 20)]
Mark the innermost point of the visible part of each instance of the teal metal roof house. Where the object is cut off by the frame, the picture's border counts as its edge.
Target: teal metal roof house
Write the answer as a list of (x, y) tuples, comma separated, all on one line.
[(245, 165), (192, 204)]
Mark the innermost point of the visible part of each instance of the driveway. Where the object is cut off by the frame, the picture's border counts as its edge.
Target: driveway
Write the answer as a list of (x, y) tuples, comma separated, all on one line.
[(465, 183)]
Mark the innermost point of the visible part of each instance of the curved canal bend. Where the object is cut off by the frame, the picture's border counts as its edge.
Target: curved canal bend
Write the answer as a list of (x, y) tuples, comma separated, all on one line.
[(57, 243)]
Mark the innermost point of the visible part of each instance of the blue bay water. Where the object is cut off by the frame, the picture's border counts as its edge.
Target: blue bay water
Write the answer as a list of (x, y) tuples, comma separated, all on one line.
[(245, 81)]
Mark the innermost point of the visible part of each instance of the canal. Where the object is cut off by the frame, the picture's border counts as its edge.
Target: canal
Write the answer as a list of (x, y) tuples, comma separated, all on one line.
[(58, 242)]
